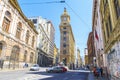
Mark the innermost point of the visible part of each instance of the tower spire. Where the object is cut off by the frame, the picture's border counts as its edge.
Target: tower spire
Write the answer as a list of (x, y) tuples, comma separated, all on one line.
[(64, 9)]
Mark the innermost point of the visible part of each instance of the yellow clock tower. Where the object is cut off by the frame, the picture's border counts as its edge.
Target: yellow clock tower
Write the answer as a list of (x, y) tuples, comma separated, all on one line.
[(67, 42)]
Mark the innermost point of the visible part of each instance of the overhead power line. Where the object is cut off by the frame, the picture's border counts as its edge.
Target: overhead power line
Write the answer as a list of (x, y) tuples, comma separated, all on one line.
[(62, 1), (77, 15)]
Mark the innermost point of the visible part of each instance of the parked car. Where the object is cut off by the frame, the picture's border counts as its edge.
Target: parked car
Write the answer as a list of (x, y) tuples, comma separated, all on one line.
[(35, 67), (54, 69)]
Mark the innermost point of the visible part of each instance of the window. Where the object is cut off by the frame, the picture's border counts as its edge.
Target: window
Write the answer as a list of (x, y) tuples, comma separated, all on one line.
[(117, 8), (110, 24), (27, 36), (64, 32), (19, 29), (64, 45), (25, 56), (105, 4), (64, 38), (107, 30), (64, 27), (1, 45), (33, 40), (64, 51), (6, 21), (34, 21), (31, 57)]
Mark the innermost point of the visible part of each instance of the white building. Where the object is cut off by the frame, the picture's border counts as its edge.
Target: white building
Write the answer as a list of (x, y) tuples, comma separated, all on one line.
[(98, 36), (45, 40)]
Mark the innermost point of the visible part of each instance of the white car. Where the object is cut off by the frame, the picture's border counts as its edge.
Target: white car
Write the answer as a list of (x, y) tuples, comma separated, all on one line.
[(35, 67), (54, 69)]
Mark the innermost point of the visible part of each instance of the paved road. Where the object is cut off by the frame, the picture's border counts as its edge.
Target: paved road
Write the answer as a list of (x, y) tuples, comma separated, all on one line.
[(42, 75)]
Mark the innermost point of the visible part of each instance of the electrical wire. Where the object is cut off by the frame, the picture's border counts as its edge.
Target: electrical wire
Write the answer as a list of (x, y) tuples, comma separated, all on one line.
[(77, 14), (62, 1)]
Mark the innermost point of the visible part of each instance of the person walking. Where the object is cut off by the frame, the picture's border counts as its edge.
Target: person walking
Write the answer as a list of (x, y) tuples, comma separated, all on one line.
[(101, 71)]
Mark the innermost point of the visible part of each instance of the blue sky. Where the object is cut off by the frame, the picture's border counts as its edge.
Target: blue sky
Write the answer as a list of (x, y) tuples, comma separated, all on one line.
[(80, 12)]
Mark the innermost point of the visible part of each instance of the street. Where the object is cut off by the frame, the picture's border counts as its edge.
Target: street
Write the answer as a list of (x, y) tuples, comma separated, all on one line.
[(42, 75)]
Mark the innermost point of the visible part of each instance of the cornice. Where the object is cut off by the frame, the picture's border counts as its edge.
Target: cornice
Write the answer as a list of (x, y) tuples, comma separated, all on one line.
[(15, 4), (114, 37)]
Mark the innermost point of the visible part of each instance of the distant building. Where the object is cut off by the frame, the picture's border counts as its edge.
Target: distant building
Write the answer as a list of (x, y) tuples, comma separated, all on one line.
[(86, 56), (67, 42), (91, 49), (79, 59), (17, 36), (55, 59), (45, 41)]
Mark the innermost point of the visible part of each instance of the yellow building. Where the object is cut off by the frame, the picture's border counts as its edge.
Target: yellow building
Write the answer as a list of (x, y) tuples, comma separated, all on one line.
[(110, 17), (86, 59), (55, 59), (17, 37), (79, 64), (67, 42)]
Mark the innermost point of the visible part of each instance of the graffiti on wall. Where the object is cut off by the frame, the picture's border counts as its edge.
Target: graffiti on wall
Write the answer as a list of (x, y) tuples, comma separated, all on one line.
[(114, 63)]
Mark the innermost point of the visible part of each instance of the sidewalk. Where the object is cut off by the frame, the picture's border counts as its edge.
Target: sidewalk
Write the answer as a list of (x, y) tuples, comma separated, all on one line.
[(6, 69), (91, 77)]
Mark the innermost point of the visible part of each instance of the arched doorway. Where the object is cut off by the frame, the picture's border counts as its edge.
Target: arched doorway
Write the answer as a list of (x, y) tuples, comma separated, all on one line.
[(14, 57)]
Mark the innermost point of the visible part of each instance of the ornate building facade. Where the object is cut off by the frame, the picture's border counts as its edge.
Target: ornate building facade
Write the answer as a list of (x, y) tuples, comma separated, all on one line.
[(17, 36), (67, 42), (110, 21)]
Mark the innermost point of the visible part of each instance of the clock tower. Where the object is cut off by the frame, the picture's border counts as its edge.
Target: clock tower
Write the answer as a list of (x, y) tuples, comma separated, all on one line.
[(67, 42)]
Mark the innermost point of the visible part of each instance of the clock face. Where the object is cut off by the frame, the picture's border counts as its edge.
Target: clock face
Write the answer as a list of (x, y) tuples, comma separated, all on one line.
[(65, 18)]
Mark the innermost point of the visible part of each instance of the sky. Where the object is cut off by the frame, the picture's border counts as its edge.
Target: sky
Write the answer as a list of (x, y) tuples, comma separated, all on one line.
[(80, 12)]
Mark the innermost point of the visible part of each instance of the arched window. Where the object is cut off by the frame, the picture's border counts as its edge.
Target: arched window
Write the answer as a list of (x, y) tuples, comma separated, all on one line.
[(31, 57), (19, 29), (27, 36), (6, 21), (1, 45), (25, 56), (15, 53), (33, 40)]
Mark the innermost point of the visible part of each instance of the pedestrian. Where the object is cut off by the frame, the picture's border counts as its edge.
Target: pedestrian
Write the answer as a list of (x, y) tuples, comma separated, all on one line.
[(94, 71), (101, 71)]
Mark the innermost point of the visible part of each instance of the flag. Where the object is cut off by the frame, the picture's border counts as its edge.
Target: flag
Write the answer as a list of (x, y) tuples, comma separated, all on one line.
[(96, 36)]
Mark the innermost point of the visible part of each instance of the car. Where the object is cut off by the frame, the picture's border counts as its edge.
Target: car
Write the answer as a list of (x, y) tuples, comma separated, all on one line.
[(34, 67), (55, 69), (64, 69)]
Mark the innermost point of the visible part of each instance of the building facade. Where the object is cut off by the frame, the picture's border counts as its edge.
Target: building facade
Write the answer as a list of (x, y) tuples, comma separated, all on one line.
[(67, 42), (98, 35), (17, 36), (55, 59), (110, 21), (85, 56), (45, 40), (79, 59), (91, 49)]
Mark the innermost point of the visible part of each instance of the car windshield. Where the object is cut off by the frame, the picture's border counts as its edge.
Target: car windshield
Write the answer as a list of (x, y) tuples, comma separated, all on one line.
[(35, 65)]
